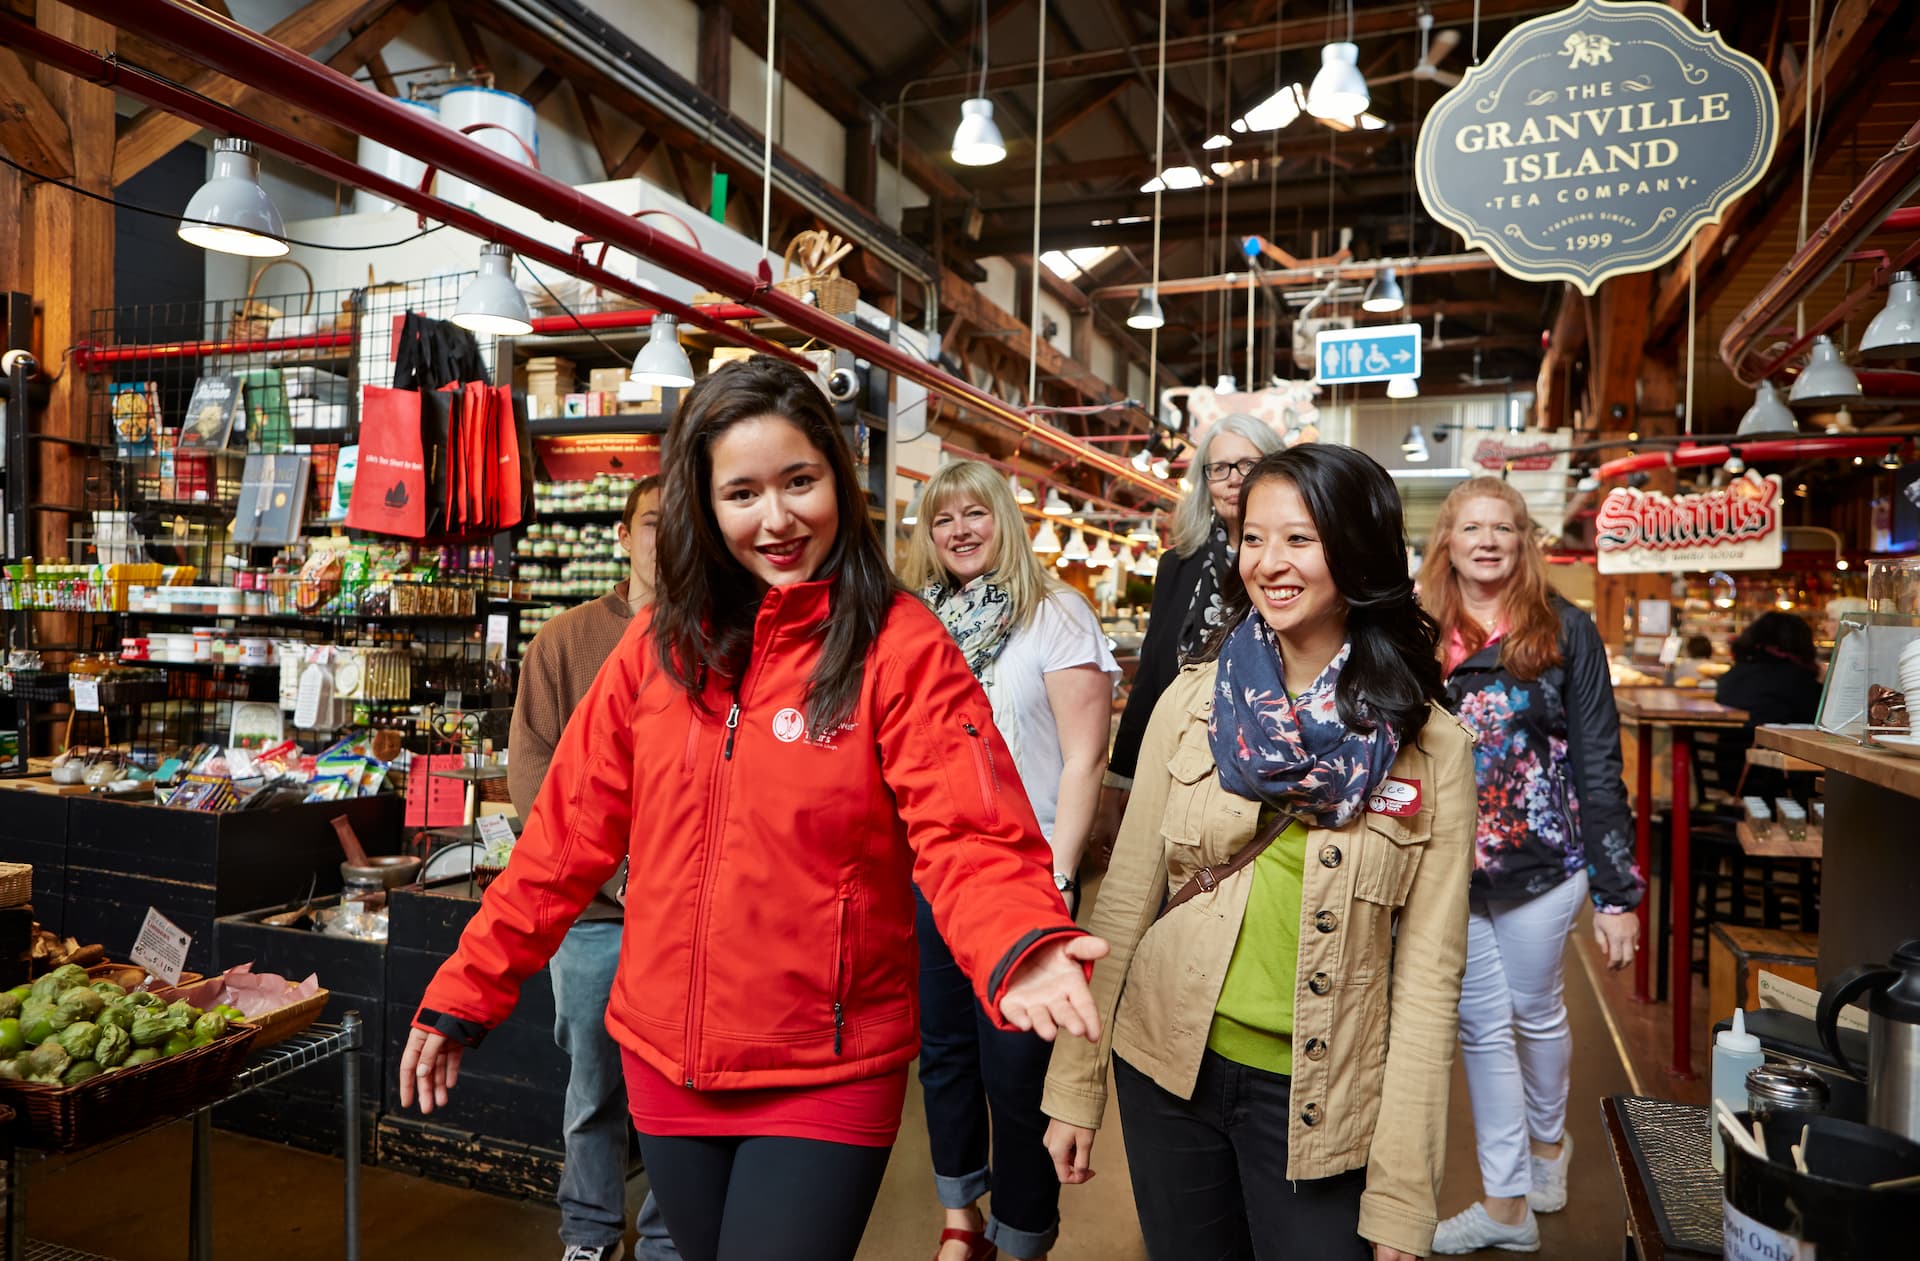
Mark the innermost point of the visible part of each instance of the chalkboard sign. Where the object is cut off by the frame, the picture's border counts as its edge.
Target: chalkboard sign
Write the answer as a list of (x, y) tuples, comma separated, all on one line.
[(1596, 141)]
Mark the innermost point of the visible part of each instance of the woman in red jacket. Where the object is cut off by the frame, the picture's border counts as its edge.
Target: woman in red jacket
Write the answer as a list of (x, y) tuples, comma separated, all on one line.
[(783, 747)]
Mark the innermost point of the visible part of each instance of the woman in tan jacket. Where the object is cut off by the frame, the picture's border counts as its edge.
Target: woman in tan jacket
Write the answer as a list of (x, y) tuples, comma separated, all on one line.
[(1288, 889)]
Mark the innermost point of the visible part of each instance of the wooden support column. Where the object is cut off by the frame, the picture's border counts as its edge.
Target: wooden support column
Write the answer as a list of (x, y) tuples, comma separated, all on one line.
[(1620, 315), (863, 164), (716, 51)]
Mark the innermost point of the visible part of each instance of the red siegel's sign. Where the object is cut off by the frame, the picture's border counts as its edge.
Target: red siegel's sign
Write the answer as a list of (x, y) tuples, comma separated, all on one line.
[(1738, 527)]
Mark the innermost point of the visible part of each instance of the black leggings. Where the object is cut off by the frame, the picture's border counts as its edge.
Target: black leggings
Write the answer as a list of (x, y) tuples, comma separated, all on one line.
[(764, 1199)]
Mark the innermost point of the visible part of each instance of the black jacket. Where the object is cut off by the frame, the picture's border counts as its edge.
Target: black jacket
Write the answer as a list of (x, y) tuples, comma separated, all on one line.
[(1547, 763), (1173, 589)]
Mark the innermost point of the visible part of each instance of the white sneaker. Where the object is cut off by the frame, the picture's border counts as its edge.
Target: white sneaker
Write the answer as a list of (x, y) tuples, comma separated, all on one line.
[(1549, 1193), (1472, 1229), (581, 1252)]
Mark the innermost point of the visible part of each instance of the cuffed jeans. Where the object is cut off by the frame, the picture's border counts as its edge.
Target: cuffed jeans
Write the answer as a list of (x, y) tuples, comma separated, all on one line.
[(1514, 1039), (1210, 1172), (593, 1182), (982, 1087)]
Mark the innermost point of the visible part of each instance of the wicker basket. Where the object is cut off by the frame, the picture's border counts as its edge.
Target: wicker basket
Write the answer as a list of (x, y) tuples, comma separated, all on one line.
[(826, 288), (66, 1118), (129, 975), (484, 875), (16, 883), (254, 320), (283, 1022)]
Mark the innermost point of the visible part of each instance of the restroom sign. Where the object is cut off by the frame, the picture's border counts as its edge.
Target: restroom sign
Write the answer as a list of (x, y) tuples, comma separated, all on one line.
[(1374, 353), (1596, 141)]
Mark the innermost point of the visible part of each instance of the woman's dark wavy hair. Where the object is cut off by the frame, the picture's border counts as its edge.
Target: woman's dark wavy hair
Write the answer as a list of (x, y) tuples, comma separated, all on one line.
[(1394, 667), (706, 600), (1776, 636)]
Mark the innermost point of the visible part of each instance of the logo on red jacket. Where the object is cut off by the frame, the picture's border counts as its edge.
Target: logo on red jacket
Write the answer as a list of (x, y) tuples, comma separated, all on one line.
[(789, 725), (1397, 797)]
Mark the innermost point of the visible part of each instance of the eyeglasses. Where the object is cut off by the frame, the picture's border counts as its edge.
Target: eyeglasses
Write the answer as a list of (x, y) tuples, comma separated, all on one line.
[(1221, 470)]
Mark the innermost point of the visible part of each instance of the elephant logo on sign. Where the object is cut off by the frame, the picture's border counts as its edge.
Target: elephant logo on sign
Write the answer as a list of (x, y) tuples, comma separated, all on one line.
[(1583, 49)]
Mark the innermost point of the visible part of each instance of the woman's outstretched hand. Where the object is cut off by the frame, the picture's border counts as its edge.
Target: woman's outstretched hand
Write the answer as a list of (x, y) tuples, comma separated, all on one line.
[(430, 1065), (1048, 991)]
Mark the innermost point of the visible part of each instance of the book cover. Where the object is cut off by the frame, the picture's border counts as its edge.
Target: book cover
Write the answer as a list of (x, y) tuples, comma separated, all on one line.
[(273, 500), (208, 424), (133, 417), (269, 421)]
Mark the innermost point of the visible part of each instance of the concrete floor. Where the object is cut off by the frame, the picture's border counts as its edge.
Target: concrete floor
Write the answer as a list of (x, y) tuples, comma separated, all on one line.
[(129, 1204)]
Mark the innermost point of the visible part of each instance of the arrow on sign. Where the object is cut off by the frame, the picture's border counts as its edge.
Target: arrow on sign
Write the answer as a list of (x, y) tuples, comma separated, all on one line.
[(1403, 355)]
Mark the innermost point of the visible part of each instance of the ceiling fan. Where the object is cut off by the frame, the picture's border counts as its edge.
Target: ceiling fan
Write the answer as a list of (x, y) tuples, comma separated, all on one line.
[(1476, 380), (1434, 49)]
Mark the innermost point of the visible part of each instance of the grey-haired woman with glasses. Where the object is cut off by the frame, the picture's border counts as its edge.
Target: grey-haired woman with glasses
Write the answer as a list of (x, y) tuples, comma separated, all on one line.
[(1188, 595)]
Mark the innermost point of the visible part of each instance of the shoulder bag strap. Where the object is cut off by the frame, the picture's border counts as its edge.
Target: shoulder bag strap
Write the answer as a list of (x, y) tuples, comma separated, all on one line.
[(1207, 878)]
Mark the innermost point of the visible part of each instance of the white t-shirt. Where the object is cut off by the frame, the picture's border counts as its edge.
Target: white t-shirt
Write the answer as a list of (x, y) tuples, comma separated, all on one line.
[(1061, 634)]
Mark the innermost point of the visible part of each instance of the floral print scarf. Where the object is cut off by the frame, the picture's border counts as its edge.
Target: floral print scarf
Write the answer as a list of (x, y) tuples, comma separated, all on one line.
[(1292, 753), (1208, 607), (978, 615)]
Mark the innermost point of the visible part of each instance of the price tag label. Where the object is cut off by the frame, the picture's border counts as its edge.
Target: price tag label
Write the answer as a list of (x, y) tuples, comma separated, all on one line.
[(496, 635), (86, 695), (496, 830), (162, 947)]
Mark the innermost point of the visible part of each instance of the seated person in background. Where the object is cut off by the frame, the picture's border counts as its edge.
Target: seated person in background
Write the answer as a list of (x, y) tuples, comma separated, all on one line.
[(1688, 671), (1776, 680)]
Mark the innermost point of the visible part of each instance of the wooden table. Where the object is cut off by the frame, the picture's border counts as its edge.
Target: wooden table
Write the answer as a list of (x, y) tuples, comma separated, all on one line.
[(1682, 712)]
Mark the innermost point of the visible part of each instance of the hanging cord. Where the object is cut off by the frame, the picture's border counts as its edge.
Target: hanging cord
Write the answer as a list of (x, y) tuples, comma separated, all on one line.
[(766, 131), (1692, 270), (1476, 32), (1159, 187), (1806, 148), (1039, 159), (985, 29)]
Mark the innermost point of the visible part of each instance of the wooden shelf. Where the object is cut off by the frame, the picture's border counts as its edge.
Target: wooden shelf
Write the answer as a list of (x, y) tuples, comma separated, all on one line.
[(1776, 845), (1845, 756)]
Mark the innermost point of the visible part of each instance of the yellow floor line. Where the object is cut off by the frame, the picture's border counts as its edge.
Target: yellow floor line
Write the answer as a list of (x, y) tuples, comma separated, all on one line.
[(1579, 948)]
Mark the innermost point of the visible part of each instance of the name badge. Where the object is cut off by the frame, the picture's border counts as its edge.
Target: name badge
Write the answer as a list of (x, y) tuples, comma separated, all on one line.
[(1397, 797)]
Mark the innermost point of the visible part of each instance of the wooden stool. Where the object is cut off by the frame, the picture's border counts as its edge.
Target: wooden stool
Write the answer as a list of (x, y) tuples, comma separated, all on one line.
[(1736, 955)]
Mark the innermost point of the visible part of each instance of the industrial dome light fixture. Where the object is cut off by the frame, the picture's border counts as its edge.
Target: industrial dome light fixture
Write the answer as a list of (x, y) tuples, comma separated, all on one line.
[(1055, 505), (1402, 387), (1895, 332), (1076, 548), (1046, 541), (1146, 313), (1826, 378), (1414, 446), (1339, 90), (977, 141), (491, 303), (1021, 494), (1144, 535), (1768, 414), (662, 361), (1383, 295), (231, 213), (1102, 557)]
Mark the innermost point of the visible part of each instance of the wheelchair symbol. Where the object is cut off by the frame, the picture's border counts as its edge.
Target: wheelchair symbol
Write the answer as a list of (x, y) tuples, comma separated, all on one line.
[(1376, 362)]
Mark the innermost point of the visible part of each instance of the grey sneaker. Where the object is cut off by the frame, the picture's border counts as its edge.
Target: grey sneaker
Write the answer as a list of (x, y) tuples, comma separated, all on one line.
[(605, 1252), (1472, 1229), (1549, 1193)]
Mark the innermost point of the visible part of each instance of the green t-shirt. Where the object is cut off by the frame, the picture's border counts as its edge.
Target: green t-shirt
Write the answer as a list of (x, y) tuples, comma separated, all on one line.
[(1253, 1021)]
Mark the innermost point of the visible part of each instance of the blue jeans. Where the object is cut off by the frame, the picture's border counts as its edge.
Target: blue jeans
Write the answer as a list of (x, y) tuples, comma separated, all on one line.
[(593, 1182), (982, 1087)]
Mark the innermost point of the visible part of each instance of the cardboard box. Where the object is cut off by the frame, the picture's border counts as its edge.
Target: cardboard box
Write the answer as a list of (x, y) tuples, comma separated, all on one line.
[(606, 380)]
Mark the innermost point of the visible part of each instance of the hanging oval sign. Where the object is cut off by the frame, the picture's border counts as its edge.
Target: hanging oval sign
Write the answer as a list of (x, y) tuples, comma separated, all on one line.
[(1596, 141)]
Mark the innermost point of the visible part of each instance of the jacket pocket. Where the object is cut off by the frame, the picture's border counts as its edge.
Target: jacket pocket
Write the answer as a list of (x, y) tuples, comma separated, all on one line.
[(1190, 769), (1389, 855), (986, 775)]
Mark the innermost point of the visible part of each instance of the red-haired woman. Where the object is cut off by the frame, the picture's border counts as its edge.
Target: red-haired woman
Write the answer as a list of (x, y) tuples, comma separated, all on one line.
[(1528, 672)]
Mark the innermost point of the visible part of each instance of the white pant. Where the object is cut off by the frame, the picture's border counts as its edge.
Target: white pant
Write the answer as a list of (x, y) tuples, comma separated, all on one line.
[(1513, 1029)]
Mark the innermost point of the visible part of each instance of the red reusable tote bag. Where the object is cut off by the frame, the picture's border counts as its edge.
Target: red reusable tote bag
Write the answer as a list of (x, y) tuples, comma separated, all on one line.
[(390, 488), (507, 466)]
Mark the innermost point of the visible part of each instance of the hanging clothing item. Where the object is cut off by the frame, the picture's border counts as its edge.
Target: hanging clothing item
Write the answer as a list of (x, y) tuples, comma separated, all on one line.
[(1207, 608), (1294, 754)]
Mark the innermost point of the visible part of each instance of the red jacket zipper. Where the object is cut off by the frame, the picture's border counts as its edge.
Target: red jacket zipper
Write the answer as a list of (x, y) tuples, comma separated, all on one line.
[(839, 973), (983, 767), (715, 826)]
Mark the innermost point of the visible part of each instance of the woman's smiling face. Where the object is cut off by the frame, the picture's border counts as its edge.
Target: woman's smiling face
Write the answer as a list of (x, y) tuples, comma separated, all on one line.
[(773, 497), (963, 534)]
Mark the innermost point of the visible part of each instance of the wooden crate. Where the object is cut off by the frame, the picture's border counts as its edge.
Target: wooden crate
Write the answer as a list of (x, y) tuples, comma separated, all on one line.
[(1736, 956)]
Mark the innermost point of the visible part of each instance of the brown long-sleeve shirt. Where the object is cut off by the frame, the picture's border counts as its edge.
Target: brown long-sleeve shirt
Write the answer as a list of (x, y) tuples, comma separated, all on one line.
[(559, 668)]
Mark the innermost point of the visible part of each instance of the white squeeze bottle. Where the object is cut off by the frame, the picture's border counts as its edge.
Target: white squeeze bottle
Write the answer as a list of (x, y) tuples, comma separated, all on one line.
[(1735, 1054)]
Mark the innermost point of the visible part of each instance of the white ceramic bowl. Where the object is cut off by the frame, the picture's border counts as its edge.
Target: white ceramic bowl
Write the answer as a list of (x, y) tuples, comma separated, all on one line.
[(1908, 746)]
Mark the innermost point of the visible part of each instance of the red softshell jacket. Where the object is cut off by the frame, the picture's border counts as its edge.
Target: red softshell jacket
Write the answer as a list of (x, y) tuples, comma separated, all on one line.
[(769, 927)]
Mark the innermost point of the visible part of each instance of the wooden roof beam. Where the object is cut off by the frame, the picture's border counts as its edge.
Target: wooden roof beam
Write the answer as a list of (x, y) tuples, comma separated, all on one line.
[(32, 131)]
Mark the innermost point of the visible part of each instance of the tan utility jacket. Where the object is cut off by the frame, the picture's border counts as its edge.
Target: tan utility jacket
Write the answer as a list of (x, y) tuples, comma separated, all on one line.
[(1373, 1026)]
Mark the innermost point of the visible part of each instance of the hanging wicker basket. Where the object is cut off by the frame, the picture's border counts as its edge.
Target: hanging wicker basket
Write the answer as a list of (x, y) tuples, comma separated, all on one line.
[(817, 255), (254, 321)]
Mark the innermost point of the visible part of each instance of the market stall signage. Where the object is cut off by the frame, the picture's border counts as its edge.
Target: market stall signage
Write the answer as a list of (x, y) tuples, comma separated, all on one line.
[(1344, 356), (1647, 532), (1596, 141), (578, 457)]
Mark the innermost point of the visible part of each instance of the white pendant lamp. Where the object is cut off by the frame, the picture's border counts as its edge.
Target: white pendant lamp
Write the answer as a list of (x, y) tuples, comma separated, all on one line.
[(491, 302), (1046, 542), (1076, 548), (1143, 534), (1402, 387), (1414, 446), (1143, 459), (1102, 557), (1055, 505), (1226, 384), (977, 141), (1895, 332), (912, 515), (234, 214), (1383, 293), (662, 361), (1339, 90), (1162, 468), (1021, 494), (1827, 378), (1768, 414), (1146, 313), (1149, 564), (1124, 562)]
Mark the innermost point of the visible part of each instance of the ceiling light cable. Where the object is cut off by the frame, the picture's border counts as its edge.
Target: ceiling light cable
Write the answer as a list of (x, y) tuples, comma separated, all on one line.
[(766, 147), (1034, 263)]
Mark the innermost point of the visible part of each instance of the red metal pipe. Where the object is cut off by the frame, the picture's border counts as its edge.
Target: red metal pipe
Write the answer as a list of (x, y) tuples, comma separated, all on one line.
[(634, 317), (1767, 451), (251, 58), (89, 357), (1887, 184)]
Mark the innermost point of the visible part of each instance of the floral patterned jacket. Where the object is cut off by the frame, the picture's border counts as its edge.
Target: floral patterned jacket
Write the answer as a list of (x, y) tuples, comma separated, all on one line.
[(1547, 762)]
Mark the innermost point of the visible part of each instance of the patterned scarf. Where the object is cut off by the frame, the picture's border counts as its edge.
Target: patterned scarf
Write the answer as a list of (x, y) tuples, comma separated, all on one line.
[(1294, 754), (978, 616), (1206, 609)]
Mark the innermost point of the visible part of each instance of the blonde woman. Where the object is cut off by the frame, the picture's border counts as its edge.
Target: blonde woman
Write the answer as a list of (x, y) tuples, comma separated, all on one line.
[(1038, 650)]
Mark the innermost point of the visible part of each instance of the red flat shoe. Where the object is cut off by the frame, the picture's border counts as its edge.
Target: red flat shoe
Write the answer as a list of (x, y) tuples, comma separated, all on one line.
[(979, 1248)]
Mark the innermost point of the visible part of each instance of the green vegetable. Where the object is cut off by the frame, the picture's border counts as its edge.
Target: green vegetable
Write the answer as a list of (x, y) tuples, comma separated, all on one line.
[(21, 992), (146, 1001), (46, 989), (60, 1018), (46, 1062), (79, 1071), (144, 1055), (212, 1023), (116, 1017), (11, 1070), (39, 1031), (150, 1029), (80, 1038), (108, 989), (9, 1005), (12, 1039), (82, 1003), (181, 1009), (175, 1044), (66, 976), (114, 1046)]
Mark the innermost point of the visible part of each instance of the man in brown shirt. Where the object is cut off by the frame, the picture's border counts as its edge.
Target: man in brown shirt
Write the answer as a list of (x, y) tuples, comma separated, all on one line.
[(559, 668)]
